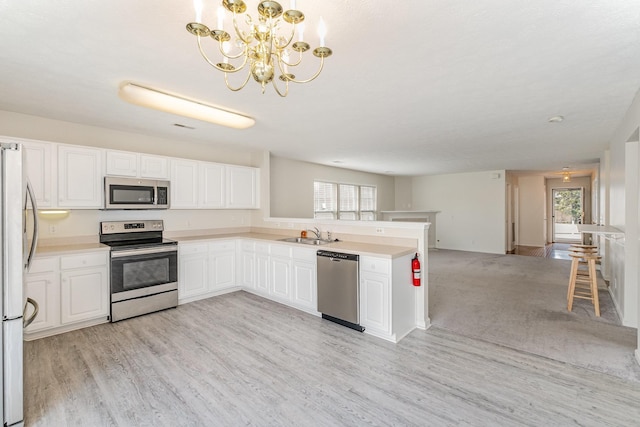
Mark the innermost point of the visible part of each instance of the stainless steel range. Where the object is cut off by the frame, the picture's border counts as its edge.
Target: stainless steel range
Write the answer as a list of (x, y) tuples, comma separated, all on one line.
[(144, 267)]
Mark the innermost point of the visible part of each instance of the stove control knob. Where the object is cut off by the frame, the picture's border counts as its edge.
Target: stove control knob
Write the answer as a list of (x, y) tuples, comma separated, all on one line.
[(112, 227)]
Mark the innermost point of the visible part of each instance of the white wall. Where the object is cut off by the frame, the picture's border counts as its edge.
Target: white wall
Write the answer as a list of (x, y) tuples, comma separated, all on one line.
[(623, 177), (292, 186), (531, 211), (404, 193), (472, 209)]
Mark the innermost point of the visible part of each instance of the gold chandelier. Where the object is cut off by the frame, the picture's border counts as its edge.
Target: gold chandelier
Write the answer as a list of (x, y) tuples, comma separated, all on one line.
[(264, 47)]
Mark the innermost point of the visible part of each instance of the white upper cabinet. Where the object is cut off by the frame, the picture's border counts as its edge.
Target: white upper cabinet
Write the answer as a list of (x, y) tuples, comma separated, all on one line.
[(80, 177), (212, 185), (184, 184), (125, 163), (206, 185), (122, 163), (242, 187), (39, 171), (154, 167)]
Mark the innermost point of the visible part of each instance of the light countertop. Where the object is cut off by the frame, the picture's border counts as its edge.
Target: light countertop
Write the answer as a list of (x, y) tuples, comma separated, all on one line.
[(69, 248), (385, 251), (359, 248)]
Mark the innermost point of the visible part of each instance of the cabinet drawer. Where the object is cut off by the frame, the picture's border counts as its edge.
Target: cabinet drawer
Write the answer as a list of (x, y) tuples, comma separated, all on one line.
[(375, 265), (226, 246), (81, 261), (304, 254), (281, 251), (43, 265), (247, 245), (202, 248), (262, 248)]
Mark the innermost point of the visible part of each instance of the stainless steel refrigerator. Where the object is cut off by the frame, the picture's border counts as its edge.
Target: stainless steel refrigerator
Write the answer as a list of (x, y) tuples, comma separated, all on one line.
[(16, 253)]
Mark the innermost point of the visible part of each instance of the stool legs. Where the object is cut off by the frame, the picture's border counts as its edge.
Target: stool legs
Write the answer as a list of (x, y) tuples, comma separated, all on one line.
[(587, 278), (594, 286)]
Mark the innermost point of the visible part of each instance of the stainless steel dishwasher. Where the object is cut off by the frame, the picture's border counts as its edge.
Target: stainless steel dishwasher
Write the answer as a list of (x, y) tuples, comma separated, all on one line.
[(339, 288)]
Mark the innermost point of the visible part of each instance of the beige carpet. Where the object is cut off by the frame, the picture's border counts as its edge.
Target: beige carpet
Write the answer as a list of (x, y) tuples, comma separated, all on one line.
[(520, 302)]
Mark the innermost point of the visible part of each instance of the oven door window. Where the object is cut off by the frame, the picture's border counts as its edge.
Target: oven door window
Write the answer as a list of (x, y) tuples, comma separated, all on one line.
[(141, 271), (128, 195)]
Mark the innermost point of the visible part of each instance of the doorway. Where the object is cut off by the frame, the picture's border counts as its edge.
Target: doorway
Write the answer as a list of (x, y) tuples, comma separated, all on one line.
[(568, 212)]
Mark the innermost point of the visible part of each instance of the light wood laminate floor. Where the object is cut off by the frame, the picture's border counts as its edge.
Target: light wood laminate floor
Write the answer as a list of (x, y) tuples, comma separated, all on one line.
[(239, 359)]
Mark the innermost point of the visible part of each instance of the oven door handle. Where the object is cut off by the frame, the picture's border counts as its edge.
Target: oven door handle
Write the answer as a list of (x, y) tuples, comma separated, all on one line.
[(144, 251)]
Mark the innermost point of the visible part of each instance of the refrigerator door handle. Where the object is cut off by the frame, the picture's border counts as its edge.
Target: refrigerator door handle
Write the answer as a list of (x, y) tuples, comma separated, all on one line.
[(34, 240), (36, 308)]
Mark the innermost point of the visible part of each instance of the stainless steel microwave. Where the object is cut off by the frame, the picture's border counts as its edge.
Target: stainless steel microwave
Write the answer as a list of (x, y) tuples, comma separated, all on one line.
[(134, 193)]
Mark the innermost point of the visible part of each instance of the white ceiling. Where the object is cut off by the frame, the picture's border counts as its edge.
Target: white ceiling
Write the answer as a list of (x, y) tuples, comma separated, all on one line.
[(413, 87)]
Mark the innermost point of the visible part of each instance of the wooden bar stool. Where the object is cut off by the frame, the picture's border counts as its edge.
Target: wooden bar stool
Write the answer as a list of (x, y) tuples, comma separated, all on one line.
[(583, 282)]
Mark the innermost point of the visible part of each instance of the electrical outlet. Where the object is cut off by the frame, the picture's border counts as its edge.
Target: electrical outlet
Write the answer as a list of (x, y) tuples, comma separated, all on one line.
[(52, 229), (380, 230)]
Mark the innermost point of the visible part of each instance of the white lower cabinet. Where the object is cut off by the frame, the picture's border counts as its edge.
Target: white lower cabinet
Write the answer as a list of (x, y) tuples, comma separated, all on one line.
[(84, 294), (72, 291), (246, 264), (205, 269), (387, 297), (193, 270), (304, 293), (222, 262), (280, 272), (374, 301), (42, 284)]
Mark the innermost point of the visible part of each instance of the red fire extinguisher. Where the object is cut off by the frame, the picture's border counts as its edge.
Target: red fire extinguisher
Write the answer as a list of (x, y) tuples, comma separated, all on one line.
[(415, 267)]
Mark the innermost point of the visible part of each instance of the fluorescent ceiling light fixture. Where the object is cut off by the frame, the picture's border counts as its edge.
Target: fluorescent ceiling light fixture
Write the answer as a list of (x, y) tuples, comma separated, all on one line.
[(175, 104)]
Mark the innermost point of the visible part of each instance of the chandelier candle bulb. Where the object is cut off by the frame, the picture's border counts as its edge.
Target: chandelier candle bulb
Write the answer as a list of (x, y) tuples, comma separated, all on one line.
[(293, 4), (197, 6), (301, 32), (322, 31)]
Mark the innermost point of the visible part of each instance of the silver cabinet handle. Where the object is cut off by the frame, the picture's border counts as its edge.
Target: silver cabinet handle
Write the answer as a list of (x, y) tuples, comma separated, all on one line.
[(36, 308), (34, 240)]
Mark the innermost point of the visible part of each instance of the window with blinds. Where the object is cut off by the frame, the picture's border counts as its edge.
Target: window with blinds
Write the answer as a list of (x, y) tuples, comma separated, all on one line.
[(325, 196), (344, 201)]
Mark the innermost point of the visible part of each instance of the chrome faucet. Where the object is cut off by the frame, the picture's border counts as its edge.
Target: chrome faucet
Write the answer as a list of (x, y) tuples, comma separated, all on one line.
[(317, 232)]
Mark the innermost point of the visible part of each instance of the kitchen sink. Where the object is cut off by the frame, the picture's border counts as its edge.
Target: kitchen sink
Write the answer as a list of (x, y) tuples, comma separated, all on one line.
[(306, 240)]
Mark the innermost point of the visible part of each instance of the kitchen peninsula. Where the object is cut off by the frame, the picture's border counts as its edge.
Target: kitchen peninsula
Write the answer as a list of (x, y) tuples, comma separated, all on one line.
[(215, 262)]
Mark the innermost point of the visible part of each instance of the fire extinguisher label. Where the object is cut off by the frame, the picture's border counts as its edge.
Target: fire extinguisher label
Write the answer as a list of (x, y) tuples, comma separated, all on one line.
[(416, 274)]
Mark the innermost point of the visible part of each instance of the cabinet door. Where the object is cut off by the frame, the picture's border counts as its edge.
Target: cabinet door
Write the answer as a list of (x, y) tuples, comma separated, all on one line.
[(39, 171), (247, 269), (242, 185), (193, 275), (79, 177), (122, 163), (154, 167), (262, 273), (374, 301), (212, 185), (184, 184), (304, 285), (280, 278), (84, 294), (223, 270), (45, 290)]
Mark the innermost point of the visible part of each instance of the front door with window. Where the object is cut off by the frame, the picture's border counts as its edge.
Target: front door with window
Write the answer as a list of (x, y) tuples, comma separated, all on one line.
[(568, 212)]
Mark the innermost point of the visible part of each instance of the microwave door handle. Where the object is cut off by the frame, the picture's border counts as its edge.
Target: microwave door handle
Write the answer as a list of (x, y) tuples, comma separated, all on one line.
[(34, 240), (155, 195)]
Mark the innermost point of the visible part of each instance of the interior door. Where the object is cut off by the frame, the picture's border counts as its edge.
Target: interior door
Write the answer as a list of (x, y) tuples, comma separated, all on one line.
[(568, 212)]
